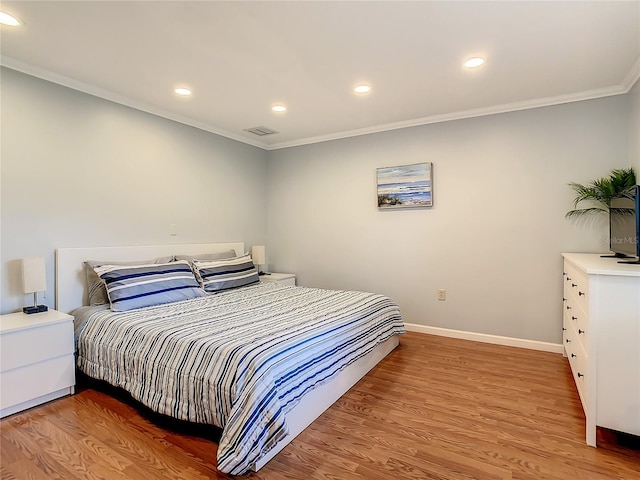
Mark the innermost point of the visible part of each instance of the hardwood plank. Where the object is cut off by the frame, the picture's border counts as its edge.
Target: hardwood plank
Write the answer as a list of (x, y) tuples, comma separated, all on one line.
[(37, 453), (435, 408)]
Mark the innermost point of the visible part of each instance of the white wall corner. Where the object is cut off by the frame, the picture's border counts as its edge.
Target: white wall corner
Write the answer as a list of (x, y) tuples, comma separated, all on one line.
[(632, 77)]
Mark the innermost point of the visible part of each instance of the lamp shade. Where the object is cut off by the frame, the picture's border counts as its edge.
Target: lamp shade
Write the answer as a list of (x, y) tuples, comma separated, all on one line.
[(34, 278), (258, 254)]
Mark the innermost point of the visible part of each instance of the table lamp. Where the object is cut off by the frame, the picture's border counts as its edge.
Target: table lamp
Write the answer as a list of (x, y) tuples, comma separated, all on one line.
[(34, 280), (258, 255)]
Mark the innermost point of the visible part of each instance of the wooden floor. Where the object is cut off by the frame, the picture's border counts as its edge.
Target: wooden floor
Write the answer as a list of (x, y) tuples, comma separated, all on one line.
[(435, 408)]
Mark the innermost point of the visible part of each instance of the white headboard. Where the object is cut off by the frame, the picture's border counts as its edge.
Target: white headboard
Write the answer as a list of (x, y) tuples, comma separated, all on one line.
[(71, 285)]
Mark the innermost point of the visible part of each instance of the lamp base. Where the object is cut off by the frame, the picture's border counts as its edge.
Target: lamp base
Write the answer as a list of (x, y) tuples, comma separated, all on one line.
[(35, 309)]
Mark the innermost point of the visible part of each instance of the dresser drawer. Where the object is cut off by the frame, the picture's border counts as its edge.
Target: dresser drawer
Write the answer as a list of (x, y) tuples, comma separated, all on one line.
[(33, 345), (576, 319), (576, 287), (569, 340), (578, 361), (582, 329), (581, 377)]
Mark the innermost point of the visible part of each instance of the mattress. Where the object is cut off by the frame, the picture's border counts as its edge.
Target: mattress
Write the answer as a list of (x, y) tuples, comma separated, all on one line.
[(239, 359)]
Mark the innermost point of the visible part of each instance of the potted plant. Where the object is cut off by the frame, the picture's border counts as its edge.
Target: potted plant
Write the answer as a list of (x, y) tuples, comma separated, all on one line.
[(600, 191)]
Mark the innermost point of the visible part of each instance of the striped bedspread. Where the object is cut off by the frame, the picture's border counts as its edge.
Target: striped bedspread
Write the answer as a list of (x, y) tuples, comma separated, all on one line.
[(239, 359)]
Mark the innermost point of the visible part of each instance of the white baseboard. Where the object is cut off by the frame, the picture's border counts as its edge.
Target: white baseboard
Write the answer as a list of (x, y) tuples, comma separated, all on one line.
[(485, 338)]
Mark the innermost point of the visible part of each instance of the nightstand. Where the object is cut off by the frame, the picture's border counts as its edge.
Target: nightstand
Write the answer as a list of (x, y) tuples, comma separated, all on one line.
[(281, 278), (36, 359)]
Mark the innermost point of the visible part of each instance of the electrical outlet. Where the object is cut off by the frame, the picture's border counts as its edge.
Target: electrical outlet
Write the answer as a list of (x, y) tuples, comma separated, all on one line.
[(442, 294)]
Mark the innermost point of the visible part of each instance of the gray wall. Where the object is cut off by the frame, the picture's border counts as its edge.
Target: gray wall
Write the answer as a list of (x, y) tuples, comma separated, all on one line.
[(494, 236), (81, 171)]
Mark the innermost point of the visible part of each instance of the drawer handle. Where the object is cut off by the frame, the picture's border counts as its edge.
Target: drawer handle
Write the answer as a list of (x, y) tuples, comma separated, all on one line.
[(564, 329), (568, 279), (581, 293), (574, 285), (564, 299), (568, 340), (573, 318), (580, 331), (568, 307), (573, 355), (580, 375)]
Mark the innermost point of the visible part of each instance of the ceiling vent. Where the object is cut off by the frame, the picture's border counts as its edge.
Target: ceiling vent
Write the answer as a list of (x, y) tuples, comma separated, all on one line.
[(260, 131)]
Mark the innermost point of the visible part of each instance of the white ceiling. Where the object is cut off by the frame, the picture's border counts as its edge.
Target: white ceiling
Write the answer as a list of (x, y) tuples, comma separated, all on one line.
[(240, 58)]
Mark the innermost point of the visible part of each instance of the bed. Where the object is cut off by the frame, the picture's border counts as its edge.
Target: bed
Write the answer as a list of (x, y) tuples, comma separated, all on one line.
[(261, 361)]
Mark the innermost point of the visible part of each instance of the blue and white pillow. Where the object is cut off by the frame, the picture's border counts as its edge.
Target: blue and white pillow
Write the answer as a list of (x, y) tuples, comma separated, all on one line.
[(96, 292), (218, 275), (136, 286)]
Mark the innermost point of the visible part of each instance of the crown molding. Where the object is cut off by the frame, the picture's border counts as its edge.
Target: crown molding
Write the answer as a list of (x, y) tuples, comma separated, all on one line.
[(628, 83), (448, 117), (73, 84)]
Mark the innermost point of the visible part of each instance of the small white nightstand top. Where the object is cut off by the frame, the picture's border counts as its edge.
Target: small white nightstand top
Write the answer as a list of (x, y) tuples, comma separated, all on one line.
[(21, 321), (276, 277)]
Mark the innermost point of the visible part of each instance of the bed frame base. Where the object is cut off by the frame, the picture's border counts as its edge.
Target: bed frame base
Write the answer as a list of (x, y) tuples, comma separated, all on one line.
[(314, 403)]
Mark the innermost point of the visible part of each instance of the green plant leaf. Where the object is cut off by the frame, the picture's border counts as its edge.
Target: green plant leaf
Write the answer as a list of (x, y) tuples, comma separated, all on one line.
[(601, 190)]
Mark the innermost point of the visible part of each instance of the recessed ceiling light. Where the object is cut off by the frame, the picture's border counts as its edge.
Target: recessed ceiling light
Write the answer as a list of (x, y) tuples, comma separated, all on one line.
[(474, 62), (362, 89), (185, 92), (9, 20), (279, 108)]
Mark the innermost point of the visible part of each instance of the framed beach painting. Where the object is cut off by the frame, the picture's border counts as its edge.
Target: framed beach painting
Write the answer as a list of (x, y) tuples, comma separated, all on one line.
[(405, 186)]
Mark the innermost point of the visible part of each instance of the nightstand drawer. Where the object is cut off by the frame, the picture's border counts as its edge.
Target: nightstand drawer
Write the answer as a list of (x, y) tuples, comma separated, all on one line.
[(22, 384), (33, 345)]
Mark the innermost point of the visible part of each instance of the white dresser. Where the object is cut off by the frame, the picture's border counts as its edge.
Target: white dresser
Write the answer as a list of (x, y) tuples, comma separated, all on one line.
[(601, 338), (36, 359)]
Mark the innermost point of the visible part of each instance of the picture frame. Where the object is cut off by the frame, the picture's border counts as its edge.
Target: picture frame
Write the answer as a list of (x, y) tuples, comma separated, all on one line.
[(405, 186)]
